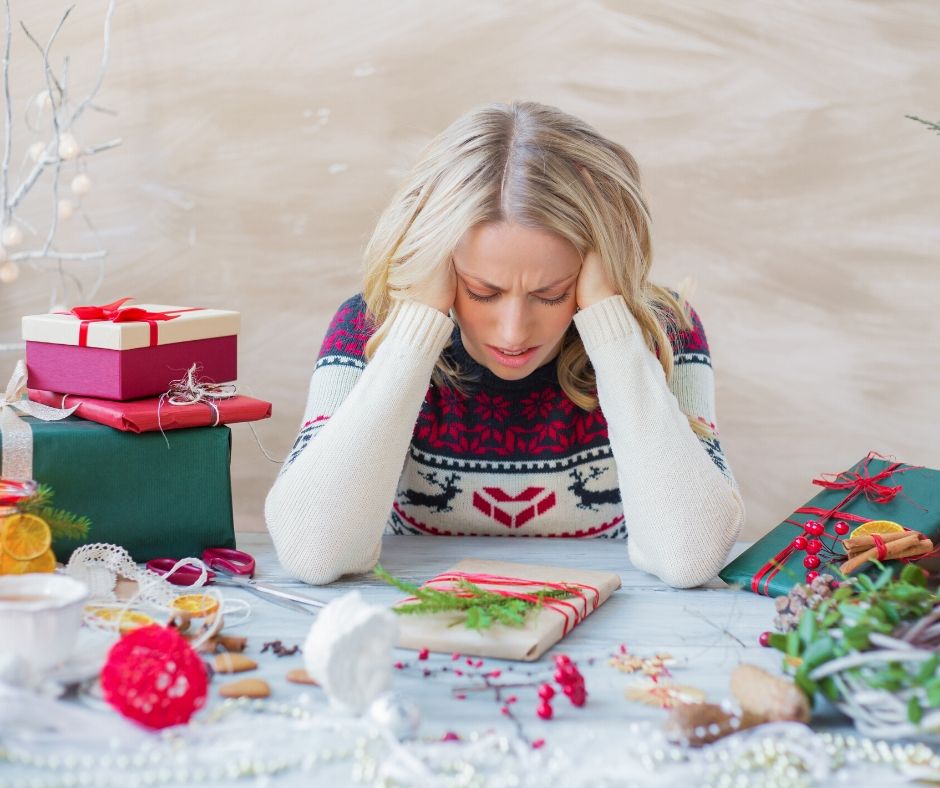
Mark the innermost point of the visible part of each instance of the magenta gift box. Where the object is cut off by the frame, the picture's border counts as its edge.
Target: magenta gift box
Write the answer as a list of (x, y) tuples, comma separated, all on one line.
[(121, 357)]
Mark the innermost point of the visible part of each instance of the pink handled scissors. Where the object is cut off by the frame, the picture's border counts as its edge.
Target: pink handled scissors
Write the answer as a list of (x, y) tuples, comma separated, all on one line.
[(229, 567), (224, 560)]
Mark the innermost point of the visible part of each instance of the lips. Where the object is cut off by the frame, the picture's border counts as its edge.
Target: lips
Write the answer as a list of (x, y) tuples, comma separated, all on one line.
[(512, 358)]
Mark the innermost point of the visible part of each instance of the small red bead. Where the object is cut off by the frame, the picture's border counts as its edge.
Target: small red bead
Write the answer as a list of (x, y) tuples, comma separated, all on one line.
[(579, 698), (455, 655), (811, 576), (494, 674), (813, 546), (544, 711), (423, 654), (504, 711), (799, 543), (546, 691), (764, 639), (841, 528), (562, 659), (811, 562), (568, 689), (399, 665), (560, 677), (511, 699), (538, 744)]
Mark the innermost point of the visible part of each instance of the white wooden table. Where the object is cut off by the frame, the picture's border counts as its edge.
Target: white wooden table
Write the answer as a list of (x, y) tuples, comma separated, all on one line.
[(710, 630)]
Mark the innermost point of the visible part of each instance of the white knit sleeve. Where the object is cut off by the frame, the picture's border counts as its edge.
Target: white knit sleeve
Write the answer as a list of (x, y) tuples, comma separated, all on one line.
[(681, 504), (328, 506)]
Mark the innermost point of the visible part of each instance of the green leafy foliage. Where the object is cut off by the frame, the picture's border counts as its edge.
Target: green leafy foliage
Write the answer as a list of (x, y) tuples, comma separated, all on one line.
[(63, 524), (844, 624), (481, 608)]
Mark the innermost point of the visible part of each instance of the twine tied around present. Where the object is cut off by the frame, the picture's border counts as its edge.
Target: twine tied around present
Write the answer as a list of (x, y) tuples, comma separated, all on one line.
[(455, 583), (190, 390), (16, 435)]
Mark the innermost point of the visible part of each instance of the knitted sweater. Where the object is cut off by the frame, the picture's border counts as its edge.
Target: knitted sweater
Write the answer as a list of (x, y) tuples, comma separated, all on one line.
[(382, 448)]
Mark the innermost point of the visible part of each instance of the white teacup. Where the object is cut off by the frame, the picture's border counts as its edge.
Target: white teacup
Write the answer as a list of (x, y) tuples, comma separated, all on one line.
[(40, 615)]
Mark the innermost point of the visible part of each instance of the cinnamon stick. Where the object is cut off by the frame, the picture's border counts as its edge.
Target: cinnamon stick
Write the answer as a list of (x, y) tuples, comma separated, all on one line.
[(867, 541), (899, 548)]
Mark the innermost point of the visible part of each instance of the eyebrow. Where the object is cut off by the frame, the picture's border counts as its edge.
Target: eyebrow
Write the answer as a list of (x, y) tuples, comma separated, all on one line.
[(499, 290)]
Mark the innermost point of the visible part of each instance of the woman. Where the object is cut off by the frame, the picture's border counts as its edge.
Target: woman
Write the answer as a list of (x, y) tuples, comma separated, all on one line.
[(509, 369)]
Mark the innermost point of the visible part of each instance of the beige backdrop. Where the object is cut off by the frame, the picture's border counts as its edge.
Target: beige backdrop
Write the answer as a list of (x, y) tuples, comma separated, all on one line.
[(261, 141)]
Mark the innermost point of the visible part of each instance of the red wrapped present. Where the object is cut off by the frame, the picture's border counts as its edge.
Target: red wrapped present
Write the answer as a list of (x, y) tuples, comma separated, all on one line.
[(154, 413), (123, 352)]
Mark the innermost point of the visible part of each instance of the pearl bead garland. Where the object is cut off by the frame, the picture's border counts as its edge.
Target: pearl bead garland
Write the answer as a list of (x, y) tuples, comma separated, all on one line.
[(781, 755)]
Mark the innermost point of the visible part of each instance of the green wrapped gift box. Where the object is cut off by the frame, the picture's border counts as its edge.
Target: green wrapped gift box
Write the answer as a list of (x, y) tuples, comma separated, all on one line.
[(152, 500), (873, 489)]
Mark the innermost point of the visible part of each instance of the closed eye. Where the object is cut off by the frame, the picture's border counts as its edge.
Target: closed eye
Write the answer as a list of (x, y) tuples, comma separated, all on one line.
[(489, 298)]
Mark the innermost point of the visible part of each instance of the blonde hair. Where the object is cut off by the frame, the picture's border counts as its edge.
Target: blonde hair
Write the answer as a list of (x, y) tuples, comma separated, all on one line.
[(541, 168)]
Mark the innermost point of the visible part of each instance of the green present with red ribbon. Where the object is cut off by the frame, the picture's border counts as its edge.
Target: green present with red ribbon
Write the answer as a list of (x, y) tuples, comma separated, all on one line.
[(809, 541)]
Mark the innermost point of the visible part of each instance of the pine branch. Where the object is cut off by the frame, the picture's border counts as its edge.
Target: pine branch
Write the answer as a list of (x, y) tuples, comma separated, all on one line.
[(929, 124), (63, 524), (481, 608)]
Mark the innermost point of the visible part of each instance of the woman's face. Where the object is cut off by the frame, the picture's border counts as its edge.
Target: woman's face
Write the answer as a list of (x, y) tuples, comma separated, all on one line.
[(515, 295)]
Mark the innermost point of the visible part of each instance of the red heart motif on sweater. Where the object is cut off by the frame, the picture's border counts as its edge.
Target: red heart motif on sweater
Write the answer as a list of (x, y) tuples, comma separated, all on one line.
[(487, 500)]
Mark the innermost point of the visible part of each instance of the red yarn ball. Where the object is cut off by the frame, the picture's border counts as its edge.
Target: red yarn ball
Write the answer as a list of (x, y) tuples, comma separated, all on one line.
[(841, 528), (811, 576), (813, 546), (811, 562), (799, 543), (153, 676)]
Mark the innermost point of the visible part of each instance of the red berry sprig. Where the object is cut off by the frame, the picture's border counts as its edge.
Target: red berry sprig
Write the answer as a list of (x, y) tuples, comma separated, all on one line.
[(810, 543), (570, 679)]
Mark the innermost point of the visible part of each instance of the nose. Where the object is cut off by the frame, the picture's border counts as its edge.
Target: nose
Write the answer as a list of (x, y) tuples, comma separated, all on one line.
[(514, 325)]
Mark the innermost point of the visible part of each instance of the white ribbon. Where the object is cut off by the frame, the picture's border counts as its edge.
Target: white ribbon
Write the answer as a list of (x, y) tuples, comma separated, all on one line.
[(15, 434)]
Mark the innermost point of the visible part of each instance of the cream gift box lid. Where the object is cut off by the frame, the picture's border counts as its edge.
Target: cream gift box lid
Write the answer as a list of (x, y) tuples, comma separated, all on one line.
[(63, 329)]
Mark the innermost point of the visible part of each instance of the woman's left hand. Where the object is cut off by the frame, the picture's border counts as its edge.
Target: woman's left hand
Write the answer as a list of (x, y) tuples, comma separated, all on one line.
[(593, 282)]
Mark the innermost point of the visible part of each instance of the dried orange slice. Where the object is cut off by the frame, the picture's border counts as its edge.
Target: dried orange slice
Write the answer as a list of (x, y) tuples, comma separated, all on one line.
[(197, 605), (127, 620), (877, 527), (25, 536), (10, 566)]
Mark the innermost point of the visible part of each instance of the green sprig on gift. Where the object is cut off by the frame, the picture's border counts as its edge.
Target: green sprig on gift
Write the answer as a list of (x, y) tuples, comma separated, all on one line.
[(63, 524), (481, 608), (881, 634)]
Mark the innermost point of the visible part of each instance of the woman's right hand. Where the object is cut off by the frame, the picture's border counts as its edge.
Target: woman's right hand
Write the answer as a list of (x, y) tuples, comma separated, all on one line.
[(439, 290)]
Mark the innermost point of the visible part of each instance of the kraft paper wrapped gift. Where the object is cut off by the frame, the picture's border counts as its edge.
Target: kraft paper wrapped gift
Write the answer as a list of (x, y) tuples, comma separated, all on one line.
[(875, 488), (139, 494), (123, 352), (543, 626), (151, 415)]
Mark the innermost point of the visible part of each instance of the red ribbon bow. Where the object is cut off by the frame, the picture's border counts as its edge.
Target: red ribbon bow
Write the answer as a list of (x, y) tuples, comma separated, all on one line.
[(868, 485), (112, 312)]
